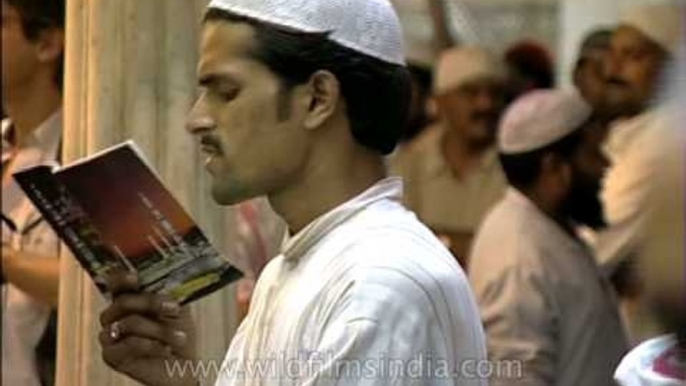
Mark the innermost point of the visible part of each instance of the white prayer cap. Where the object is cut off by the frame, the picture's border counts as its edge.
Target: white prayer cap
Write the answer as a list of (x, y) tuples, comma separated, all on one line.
[(540, 118), (661, 22), (367, 26), (460, 65)]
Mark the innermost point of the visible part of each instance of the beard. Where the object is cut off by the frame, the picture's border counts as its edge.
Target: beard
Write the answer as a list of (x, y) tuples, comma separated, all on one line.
[(583, 204)]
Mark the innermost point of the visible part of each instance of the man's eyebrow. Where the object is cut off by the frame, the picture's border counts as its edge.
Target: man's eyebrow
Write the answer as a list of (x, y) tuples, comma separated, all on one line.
[(212, 79)]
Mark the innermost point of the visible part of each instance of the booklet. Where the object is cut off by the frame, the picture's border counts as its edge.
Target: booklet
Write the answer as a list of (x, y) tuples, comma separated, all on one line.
[(113, 212)]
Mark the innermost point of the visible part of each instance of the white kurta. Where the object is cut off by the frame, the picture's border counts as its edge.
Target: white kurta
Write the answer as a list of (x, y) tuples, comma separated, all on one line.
[(634, 156), (24, 318), (364, 295), (543, 300)]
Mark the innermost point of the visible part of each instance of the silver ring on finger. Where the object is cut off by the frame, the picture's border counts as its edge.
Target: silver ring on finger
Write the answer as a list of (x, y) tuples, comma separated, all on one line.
[(115, 331)]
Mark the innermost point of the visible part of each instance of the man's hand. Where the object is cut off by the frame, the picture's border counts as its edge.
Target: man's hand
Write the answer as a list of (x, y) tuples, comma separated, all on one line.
[(145, 334)]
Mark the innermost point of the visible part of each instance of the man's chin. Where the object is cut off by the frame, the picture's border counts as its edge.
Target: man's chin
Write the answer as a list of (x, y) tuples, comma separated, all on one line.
[(227, 197), (618, 105)]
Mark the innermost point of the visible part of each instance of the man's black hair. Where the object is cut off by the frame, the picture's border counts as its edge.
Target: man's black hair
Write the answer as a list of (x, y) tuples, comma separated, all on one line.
[(522, 170), (37, 16), (376, 92)]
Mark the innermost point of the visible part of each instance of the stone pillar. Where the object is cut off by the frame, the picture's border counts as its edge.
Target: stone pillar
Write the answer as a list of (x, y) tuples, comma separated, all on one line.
[(130, 74)]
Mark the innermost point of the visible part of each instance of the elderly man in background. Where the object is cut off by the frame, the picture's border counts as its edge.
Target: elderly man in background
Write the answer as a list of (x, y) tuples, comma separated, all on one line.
[(451, 172), (543, 300), (641, 48), (661, 361)]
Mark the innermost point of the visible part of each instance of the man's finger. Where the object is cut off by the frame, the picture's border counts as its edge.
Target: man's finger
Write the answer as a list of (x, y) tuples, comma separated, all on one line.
[(121, 281), (142, 327), (140, 303), (133, 348)]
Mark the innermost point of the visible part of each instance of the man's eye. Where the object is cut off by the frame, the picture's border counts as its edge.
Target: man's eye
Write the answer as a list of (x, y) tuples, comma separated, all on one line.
[(227, 95)]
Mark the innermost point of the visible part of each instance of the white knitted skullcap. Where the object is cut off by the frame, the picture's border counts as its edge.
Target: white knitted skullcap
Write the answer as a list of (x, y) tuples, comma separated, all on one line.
[(367, 26), (460, 65), (540, 118), (661, 23)]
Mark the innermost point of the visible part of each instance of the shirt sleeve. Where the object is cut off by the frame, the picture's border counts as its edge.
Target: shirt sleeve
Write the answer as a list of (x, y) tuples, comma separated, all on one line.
[(519, 321)]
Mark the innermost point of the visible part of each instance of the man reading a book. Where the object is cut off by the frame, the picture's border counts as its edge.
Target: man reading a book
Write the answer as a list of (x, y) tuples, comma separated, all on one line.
[(32, 56), (300, 100)]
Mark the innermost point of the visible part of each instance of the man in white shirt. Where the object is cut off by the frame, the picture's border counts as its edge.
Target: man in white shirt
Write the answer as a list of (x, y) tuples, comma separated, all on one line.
[(641, 48), (32, 55), (542, 298), (661, 361), (300, 101)]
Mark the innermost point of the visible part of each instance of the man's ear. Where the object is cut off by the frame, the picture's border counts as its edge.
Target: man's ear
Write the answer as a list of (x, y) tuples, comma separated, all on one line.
[(324, 94), (50, 45)]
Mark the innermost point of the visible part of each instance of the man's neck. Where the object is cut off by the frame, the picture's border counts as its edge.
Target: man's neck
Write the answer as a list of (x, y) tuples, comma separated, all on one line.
[(326, 185), (31, 105), (462, 155)]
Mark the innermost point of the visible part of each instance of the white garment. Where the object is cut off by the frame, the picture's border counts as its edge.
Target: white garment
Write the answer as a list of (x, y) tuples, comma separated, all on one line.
[(365, 288), (634, 157), (637, 369), (24, 318), (543, 300)]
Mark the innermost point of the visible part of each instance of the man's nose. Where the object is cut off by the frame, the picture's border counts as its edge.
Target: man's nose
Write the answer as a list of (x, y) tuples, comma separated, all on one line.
[(199, 121), (611, 65)]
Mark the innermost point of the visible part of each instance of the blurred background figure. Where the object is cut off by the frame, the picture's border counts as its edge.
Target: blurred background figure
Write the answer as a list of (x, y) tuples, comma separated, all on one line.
[(641, 49), (542, 298), (451, 171), (32, 71), (588, 71), (661, 361), (256, 236), (529, 67)]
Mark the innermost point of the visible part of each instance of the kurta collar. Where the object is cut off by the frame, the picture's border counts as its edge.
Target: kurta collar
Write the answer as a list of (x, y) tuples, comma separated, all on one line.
[(302, 242)]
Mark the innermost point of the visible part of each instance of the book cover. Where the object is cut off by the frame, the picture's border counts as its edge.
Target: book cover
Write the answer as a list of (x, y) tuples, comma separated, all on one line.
[(113, 212)]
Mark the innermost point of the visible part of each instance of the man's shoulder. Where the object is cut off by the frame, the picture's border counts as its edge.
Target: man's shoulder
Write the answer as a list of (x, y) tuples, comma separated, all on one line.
[(401, 267), (508, 239)]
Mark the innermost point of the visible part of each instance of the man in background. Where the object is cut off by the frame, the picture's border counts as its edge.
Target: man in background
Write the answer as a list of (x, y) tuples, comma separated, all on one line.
[(661, 361), (451, 171), (32, 70), (543, 300), (641, 48)]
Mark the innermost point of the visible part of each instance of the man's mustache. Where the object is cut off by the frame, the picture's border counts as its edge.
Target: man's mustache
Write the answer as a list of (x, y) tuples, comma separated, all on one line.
[(616, 81)]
